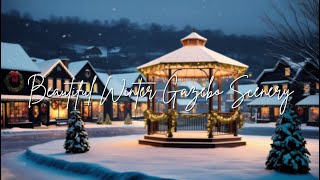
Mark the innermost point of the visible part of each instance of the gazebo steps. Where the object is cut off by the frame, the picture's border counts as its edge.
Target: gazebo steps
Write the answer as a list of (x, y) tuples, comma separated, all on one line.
[(192, 142), (179, 139)]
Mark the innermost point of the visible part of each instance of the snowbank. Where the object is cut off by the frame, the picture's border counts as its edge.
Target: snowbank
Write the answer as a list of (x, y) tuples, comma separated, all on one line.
[(273, 125), (87, 125), (124, 154)]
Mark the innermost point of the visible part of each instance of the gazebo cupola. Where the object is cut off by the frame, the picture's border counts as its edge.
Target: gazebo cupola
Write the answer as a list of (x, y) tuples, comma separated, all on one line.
[(193, 39)]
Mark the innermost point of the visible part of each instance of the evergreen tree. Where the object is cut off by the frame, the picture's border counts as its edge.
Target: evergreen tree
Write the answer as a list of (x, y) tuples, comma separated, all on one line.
[(288, 152), (128, 120), (77, 137), (100, 119), (108, 120)]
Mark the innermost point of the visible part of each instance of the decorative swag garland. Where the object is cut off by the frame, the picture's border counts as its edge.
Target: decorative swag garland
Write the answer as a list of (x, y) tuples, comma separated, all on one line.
[(213, 118)]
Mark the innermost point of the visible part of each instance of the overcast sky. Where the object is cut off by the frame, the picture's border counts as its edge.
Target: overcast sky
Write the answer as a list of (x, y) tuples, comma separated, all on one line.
[(231, 16)]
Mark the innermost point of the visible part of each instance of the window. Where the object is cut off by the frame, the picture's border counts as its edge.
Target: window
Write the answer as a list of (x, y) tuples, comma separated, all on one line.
[(266, 88), (284, 87), (276, 112), (287, 71), (317, 86), (306, 88), (50, 83), (95, 87), (142, 91), (314, 114), (231, 96), (265, 113), (275, 88), (135, 90), (138, 112), (17, 112), (58, 82), (87, 86), (66, 85), (96, 109), (115, 109), (58, 109)]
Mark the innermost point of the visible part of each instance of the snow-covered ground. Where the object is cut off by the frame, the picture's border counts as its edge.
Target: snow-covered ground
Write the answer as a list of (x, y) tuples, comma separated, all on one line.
[(123, 154), (64, 127), (273, 125)]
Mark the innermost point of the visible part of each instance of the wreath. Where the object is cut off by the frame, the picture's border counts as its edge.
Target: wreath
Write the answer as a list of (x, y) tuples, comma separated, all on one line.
[(14, 76), (54, 104)]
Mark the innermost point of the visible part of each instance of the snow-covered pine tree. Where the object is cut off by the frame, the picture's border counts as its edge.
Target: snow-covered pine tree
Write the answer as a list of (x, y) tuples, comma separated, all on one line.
[(100, 119), (128, 120), (77, 137), (288, 152), (108, 120)]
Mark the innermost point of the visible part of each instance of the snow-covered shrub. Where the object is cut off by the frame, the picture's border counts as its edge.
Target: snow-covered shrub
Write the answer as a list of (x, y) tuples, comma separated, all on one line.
[(128, 120), (107, 120), (100, 119)]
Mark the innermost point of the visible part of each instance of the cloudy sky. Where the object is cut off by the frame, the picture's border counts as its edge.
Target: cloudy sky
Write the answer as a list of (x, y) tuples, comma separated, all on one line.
[(231, 16)]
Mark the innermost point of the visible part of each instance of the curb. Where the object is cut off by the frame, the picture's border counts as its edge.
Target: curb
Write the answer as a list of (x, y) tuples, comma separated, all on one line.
[(84, 168)]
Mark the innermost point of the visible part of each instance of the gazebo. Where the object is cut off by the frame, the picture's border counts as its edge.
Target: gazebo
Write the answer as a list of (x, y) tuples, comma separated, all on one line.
[(192, 61)]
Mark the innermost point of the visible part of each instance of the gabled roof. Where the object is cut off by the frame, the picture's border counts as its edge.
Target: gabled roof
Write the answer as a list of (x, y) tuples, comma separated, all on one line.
[(48, 65), (243, 88), (13, 57), (129, 77), (113, 83), (311, 100), (75, 67)]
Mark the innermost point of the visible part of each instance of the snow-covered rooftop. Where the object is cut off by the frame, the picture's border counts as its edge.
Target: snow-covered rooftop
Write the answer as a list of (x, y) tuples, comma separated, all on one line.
[(194, 35), (75, 67), (275, 82), (243, 88), (190, 84), (13, 57), (311, 100), (267, 101), (129, 77), (22, 97), (47, 66), (114, 83)]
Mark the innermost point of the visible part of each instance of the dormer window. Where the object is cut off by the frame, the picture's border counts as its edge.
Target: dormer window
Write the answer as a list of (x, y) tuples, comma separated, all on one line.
[(275, 88), (284, 87), (287, 71), (306, 89), (266, 88)]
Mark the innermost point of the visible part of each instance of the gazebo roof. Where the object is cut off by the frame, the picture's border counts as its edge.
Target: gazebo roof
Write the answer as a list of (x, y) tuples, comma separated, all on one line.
[(193, 55)]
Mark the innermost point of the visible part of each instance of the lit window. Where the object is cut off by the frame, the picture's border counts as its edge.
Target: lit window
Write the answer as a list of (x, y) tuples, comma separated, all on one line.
[(66, 85), (314, 114), (317, 86), (231, 96), (306, 88), (142, 91), (265, 113), (284, 87), (287, 71), (266, 88), (275, 88), (276, 111), (50, 83), (115, 109), (135, 90), (95, 87), (87, 86), (58, 84)]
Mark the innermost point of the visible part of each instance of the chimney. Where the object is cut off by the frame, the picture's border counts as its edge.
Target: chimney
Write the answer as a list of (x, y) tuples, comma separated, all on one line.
[(65, 61)]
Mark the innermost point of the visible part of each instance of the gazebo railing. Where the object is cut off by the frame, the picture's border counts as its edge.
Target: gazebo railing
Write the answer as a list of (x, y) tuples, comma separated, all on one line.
[(194, 123)]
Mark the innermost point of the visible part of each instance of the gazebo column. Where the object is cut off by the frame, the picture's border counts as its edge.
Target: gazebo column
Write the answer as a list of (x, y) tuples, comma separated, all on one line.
[(235, 97), (175, 107), (219, 101), (170, 102), (148, 107), (156, 123), (210, 99)]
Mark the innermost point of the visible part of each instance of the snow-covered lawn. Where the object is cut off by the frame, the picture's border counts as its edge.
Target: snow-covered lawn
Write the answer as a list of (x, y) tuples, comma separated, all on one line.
[(123, 153)]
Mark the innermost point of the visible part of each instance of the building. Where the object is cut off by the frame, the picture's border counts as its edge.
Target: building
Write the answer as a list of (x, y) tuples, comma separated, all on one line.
[(90, 110), (56, 76), (16, 68), (286, 74)]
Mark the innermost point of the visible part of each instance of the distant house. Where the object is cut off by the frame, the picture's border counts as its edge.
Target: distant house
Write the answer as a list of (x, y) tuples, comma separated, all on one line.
[(16, 68), (286, 74), (95, 51), (56, 76), (84, 71), (242, 88)]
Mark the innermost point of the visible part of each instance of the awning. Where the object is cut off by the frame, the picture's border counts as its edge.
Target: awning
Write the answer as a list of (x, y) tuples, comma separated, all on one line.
[(311, 100), (267, 101), (5, 97)]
